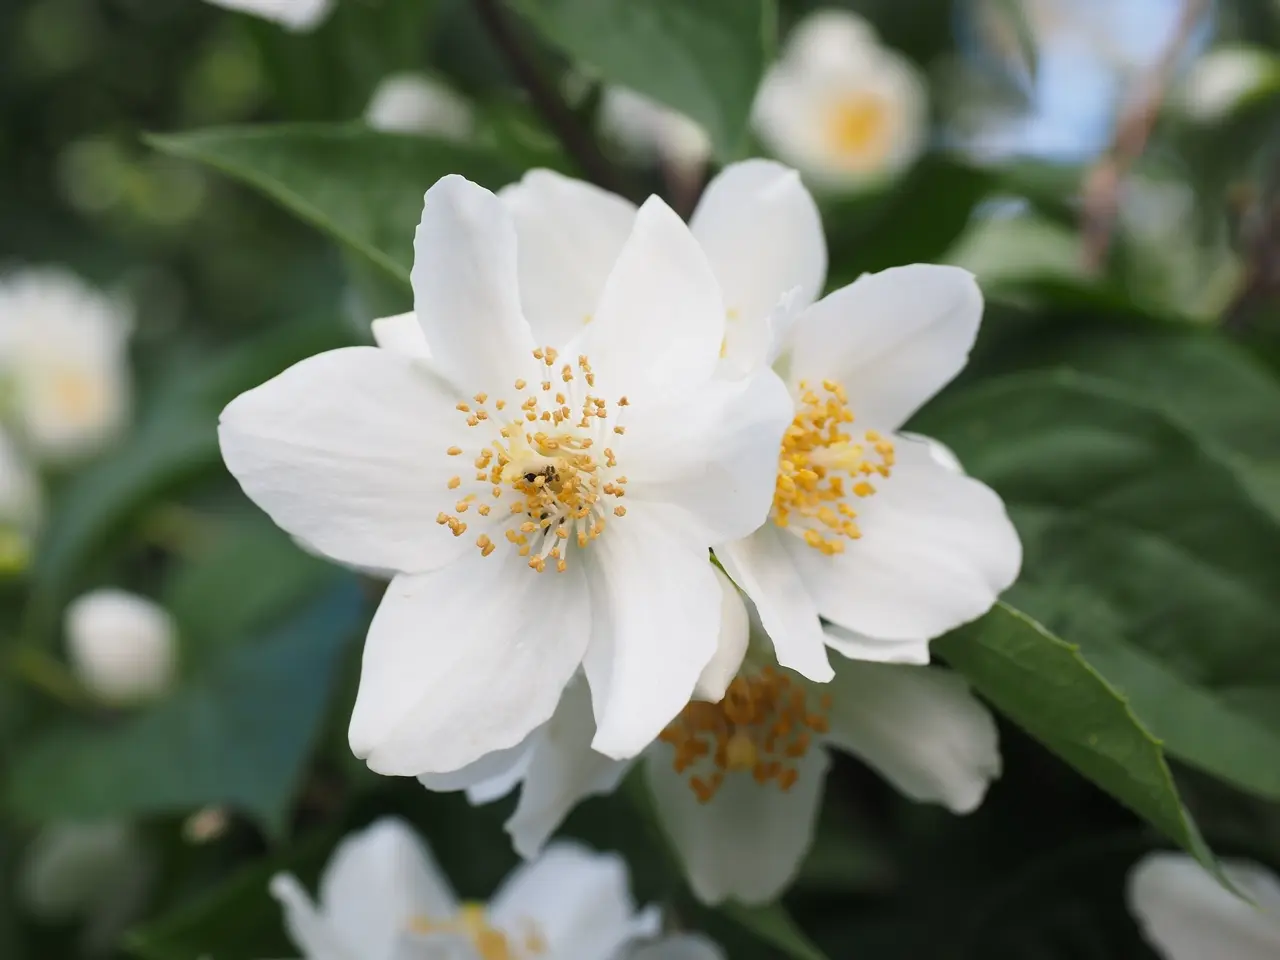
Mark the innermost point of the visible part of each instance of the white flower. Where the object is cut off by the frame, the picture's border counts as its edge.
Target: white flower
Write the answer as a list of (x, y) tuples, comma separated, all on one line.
[(1186, 914), (382, 897), (869, 530), (545, 507), (63, 357), (653, 131), (840, 107), (299, 15), (122, 646), (1221, 79), (416, 103), (20, 506), (737, 783)]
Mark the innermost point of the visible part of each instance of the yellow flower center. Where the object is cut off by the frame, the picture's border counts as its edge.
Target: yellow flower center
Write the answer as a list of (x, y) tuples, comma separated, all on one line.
[(75, 394), (542, 464), (822, 465), (490, 943), (858, 128), (762, 726)]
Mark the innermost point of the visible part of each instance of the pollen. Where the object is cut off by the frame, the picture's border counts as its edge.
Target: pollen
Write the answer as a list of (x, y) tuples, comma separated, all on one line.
[(471, 923), (764, 724), (541, 464), (822, 465)]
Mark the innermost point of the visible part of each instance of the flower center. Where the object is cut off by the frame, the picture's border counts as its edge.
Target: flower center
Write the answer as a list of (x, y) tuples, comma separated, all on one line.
[(541, 464), (762, 726), (490, 943), (75, 394), (857, 127), (822, 465)]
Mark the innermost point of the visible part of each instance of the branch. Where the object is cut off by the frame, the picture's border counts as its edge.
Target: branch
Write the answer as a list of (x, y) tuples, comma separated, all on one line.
[(576, 140), (1101, 192)]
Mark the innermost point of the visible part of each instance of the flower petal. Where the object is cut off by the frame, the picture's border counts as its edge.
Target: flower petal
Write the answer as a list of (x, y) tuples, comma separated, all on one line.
[(731, 648), (401, 334), (762, 566), (465, 661), (466, 291), (562, 771), (656, 609), (857, 646), (570, 234), (580, 900), (762, 233), (936, 551), (748, 841), (411, 945), (492, 776), (920, 728), (1188, 915), (681, 946), (342, 449), (893, 339), (660, 321), (310, 932), (713, 453), (378, 882)]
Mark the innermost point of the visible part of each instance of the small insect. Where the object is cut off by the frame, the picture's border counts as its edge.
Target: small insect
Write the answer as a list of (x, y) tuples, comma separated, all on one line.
[(548, 473)]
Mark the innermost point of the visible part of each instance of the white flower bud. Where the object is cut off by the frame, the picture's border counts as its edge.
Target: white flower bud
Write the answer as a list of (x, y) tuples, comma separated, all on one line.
[(122, 646), (1222, 79), (299, 15), (652, 131), (414, 103)]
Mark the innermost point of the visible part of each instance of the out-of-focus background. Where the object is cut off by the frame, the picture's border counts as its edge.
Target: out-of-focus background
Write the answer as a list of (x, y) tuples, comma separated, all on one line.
[(1095, 159)]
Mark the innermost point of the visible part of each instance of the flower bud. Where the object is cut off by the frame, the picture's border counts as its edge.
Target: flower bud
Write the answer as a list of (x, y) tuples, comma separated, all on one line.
[(415, 103), (122, 646)]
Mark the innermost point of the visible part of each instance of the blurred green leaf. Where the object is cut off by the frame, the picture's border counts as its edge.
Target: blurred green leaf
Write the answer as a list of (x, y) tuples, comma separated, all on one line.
[(1143, 547), (360, 186), (705, 59), (239, 735), (773, 925), (1045, 686)]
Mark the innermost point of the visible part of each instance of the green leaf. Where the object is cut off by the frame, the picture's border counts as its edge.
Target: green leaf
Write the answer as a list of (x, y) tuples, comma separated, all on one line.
[(238, 735), (1144, 548), (773, 925), (1045, 686), (360, 186), (703, 58)]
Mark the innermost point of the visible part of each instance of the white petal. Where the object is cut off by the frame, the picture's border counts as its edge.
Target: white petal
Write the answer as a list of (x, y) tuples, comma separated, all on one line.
[(416, 103), (762, 233), (1186, 914), (299, 15), (920, 728), (748, 841), (310, 932), (378, 882), (762, 566), (491, 777), (562, 771), (735, 631), (713, 453), (580, 900), (466, 291), (936, 551), (344, 449), (401, 334), (942, 455), (465, 661), (570, 234), (656, 608), (683, 946), (433, 946), (893, 339), (857, 646), (660, 321)]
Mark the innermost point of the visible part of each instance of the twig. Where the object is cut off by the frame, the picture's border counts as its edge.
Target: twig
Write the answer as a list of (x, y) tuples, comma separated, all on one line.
[(1101, 192), (575, 139)]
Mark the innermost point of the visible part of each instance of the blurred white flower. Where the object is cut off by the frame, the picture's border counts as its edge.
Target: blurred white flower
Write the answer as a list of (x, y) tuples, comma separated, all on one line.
[(1223, 78), (122, 646), (839, 106), (416, 103), (20, 506), (382, 897), (473, 470), (299, 15), (1186, 914), (652, 131), (63, 357), (738, 783), (868, 530)]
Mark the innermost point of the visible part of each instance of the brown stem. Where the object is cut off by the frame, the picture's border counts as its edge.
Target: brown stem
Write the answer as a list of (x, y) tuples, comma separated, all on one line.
[(1101, 191), (575, 138)]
